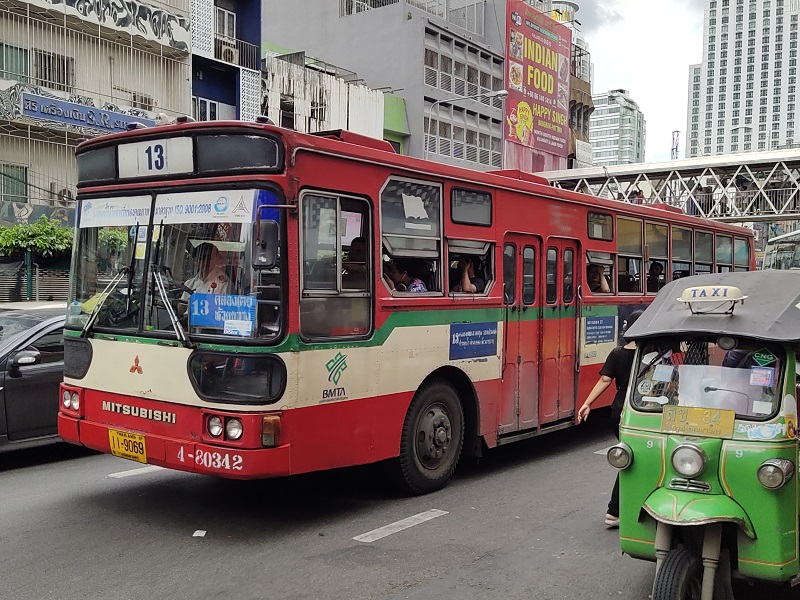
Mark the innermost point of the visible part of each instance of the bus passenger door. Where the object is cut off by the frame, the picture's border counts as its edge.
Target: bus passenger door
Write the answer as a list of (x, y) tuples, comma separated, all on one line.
[(520, 389), (559, 331)]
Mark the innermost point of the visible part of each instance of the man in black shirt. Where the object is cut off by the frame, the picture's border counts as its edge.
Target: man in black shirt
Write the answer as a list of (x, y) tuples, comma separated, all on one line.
[(618, 368)]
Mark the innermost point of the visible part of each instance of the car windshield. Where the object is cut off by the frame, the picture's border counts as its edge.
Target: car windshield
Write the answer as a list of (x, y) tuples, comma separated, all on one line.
[(13, 323), (198, 277), (747, 378)]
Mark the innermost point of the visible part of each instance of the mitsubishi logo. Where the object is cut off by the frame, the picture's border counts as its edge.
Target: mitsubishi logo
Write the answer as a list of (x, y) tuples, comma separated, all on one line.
[(136, 368)]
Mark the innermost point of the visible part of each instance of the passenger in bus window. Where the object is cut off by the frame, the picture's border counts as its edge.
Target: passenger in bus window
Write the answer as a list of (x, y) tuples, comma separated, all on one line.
[(357, 256), (596, 279), (398, 277), (469, 282), (655, 280)]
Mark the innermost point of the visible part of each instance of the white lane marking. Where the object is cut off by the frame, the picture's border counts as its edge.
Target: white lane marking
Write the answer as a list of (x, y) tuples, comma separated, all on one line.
[(382, 532), (199, 533), (604, 451), (132, 472)]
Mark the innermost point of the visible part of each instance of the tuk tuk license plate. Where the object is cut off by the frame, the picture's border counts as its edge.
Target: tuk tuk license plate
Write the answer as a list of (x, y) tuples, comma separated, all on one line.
[(691, 420), (127, 445)]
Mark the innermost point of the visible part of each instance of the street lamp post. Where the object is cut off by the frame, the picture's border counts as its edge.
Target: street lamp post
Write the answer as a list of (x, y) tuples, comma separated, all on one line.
[(495, 94)]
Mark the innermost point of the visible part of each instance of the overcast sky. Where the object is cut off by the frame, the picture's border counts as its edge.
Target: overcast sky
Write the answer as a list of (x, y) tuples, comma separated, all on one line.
[(646, 48)]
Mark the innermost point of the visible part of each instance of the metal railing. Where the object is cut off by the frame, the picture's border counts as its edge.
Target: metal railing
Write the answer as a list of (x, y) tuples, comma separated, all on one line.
[(236, 52)]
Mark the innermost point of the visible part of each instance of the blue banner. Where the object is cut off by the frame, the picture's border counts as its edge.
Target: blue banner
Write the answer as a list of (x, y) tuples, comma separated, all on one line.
[(236, 315), (78, 115), (600, 330), (471, 340)]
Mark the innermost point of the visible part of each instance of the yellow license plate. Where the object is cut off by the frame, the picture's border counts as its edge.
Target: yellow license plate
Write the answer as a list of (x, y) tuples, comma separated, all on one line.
[(691, 420), (127, 445)]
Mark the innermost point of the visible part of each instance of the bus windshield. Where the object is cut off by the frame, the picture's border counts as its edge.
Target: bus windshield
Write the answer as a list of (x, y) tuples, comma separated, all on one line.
[(194, 261), (746, 379)]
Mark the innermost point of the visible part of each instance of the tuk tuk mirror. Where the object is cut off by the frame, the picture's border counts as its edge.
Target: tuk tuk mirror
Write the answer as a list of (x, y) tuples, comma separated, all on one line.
[(265, 250)]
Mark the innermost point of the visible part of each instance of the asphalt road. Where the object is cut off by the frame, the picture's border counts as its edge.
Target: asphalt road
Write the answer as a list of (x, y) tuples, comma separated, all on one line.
[(525, 522)]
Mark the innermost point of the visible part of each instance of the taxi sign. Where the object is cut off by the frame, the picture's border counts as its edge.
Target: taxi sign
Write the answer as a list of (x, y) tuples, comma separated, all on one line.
[(712, 293)]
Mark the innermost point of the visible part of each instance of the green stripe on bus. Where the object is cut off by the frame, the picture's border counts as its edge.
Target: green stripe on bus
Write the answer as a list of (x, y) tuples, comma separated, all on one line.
[(417, 318)]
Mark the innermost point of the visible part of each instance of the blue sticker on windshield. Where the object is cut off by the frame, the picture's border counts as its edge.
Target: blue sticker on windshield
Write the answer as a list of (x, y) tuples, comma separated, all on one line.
[(235, 315)]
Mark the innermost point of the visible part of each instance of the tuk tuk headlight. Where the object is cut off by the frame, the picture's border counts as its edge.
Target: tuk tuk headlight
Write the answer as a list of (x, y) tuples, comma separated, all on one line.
[(775, 472), (689, 460), (620, 456)]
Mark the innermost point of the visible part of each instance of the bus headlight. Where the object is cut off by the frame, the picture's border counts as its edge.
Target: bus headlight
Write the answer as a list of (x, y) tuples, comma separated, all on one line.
[(620, 456), (75, 401), (214, 426), (689, 460), (66, 398), (775, 472), (233, 429)]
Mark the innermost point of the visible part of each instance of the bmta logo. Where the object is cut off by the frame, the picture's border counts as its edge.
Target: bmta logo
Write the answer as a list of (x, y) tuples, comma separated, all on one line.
[(336, 366)]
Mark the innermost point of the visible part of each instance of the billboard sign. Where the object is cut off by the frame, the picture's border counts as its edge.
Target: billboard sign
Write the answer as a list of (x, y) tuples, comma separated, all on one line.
[(538, 56)]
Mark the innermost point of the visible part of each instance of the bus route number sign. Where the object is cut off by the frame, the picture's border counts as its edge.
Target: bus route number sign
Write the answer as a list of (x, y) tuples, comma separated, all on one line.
[(166, 156)]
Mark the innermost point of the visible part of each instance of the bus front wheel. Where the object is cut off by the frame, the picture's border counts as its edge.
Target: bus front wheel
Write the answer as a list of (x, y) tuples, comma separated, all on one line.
[(432, 437)]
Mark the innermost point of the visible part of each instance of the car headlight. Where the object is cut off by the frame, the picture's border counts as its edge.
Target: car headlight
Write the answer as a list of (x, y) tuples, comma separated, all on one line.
[(689, 460), (214, 426), (775, 472), (75, 401), (66, 398), (233, 429), (620, 456)]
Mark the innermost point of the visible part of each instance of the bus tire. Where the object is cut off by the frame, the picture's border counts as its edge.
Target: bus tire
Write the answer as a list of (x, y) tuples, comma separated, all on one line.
[(432, 438), (680, 576)]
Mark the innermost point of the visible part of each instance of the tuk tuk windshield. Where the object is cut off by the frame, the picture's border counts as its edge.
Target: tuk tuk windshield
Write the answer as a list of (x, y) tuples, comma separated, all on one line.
[(746, 379)]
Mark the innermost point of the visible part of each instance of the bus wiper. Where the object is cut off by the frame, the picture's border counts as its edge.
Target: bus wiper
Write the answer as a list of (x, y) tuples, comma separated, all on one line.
[(180, 333), (131, 268), (109, 289)]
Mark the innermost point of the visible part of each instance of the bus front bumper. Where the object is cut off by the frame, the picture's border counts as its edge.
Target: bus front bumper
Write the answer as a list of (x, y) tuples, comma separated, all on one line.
[(193, 457)]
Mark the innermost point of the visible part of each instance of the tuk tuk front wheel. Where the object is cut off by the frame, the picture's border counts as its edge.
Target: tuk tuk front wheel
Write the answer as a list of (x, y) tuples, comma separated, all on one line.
[(680, 577)]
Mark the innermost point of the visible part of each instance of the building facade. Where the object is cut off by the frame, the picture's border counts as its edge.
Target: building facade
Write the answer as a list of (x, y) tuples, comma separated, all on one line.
[(430, 53), (742, 97), (226, 59), (616, 129), (71, 71)]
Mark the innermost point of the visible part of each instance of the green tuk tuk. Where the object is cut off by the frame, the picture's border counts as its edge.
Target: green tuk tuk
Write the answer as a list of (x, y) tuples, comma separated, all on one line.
[(708, 445)]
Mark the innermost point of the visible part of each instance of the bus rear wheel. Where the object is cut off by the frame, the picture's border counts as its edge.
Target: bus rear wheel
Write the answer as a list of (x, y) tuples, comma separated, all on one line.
[(680, 576), (432, 438)]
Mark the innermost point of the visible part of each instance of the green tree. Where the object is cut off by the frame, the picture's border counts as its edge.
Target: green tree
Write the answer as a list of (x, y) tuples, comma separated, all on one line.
[(44, 238), (113, 241)]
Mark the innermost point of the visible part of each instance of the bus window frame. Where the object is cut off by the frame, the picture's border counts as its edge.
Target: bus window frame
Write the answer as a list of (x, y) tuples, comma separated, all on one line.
[(711, 265), (651, 258), (453, 219), (690, 261), (610, 216), (627, 255), (440, 258), (339, 292), (723, 265)]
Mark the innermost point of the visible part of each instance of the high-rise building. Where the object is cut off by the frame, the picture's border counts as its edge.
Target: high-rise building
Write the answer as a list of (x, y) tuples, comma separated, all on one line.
[(742, 97), (433, 53), (616, 129)]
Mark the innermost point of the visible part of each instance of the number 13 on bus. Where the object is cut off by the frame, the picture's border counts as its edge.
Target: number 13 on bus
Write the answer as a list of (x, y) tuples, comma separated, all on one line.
[(249, 301)]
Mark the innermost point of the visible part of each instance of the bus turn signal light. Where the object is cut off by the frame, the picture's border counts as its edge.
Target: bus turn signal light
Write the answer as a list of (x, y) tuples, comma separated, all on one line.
[(271, 431)]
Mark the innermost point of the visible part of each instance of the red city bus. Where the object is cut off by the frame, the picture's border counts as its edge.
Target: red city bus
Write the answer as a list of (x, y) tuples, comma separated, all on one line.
[(248, 301)]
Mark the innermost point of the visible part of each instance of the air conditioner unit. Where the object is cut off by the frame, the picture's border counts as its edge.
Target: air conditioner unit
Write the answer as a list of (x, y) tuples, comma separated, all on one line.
[(230, 53)]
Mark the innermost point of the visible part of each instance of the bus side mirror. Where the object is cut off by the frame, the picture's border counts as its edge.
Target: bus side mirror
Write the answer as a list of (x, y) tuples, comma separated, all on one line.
[(265, 252)]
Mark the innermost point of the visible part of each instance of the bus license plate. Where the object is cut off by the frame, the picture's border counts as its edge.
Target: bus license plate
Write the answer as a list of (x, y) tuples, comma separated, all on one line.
[(127, 445), (692, 420)]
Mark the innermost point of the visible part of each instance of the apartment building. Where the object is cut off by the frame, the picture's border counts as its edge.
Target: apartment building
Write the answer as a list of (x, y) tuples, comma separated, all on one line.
[(616, 129)]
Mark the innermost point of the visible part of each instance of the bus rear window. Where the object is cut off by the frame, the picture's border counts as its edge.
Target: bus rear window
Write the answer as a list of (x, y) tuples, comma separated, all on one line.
[(601, 227), (97, 165), (236, 153)]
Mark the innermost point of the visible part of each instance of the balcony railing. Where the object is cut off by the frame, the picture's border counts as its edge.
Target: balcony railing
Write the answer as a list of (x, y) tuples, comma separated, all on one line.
[(236, 52)]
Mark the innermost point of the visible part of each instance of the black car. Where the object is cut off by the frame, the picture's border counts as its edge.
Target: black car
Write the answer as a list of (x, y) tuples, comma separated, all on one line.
[(32, 366)]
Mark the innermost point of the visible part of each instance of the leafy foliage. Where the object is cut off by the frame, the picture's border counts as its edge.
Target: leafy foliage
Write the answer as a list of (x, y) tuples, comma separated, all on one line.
[(113, 240), (45, 238)]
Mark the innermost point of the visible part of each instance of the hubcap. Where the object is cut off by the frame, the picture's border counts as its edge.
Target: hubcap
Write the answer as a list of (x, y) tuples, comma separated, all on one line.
[(434, 434)]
